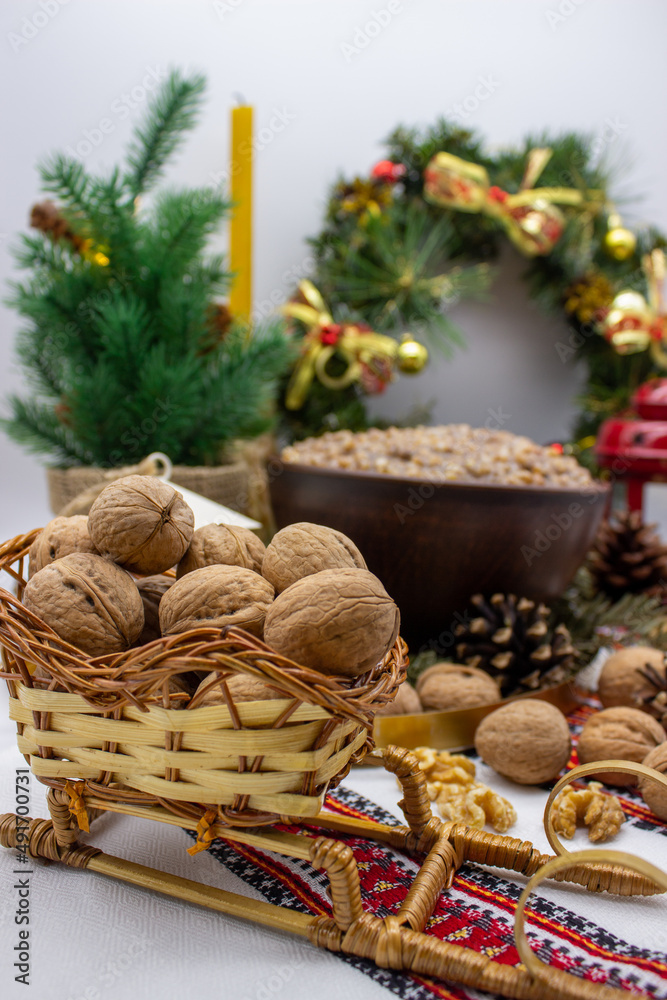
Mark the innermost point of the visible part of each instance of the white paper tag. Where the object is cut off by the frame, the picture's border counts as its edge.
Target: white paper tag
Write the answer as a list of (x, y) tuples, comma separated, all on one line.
[(209, 512)]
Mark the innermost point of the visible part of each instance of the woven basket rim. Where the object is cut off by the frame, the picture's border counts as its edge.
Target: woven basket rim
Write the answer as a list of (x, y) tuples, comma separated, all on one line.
[(138, 676)]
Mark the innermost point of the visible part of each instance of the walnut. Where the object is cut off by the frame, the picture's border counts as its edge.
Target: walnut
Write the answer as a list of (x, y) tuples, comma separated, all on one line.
[(655, 795), (451, 685), (302, 549), (337, 621), (141, 523), (526, 740), (152, 590), (406, 702), (88, 601), (223, 543), (600, 811), (619, 734), (58, 538), (450, 782), (215, 596), (626, 679), (241, 687)]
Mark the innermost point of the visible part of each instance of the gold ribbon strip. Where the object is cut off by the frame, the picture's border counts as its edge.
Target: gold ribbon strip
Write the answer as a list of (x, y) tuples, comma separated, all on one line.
[(204, 832), (633, 323), (529, 217), (77, 806), (358, 347)]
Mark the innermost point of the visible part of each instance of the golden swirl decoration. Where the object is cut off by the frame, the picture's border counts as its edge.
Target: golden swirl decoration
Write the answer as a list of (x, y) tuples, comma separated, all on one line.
[(530, 217)]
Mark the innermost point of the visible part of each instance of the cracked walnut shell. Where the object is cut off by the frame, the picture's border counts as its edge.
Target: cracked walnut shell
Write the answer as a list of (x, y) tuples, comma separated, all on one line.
[(223, 544), (302, 549), (88, 601), (215, 596), (527, 741), (141, 523), (619, 734), (337, 621), (60, 537)]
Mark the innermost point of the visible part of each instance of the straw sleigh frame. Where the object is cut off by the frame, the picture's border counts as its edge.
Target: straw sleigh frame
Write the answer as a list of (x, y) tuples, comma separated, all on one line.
[(112, 741)]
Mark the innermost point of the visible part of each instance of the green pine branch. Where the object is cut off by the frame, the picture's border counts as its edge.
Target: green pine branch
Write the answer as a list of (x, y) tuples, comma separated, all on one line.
[(170, 116), (65, 177)]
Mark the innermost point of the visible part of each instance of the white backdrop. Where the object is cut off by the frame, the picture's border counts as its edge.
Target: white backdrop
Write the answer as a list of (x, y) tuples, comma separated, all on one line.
[(335, 77)]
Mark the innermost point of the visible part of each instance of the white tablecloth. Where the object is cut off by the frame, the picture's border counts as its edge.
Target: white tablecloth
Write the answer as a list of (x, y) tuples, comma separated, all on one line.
[(92, 938)]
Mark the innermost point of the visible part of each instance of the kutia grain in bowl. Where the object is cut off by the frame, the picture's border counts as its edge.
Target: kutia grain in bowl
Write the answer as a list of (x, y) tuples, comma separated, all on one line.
[(443, 454)]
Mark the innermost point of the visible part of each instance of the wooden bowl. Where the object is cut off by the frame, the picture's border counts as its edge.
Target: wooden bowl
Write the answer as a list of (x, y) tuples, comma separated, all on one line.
[(434, 545)]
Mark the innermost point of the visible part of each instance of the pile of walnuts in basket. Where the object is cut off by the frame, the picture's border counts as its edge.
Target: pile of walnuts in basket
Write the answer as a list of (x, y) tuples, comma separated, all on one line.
[(99, 582)]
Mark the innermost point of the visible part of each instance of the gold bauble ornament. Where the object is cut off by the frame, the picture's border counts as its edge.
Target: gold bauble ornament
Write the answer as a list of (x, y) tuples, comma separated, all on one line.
[(411, 356), (619, 243)]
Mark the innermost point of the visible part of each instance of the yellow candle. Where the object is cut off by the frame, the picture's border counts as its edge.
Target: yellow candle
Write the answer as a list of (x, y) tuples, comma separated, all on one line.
[(240, 246)]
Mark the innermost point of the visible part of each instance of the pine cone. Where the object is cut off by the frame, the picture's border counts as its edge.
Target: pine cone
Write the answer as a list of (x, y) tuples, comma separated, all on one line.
[(46, 217), (628, 557), (511, 639)]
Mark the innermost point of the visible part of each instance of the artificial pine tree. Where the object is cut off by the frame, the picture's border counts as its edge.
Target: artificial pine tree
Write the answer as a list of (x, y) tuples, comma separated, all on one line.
[(125, 348)]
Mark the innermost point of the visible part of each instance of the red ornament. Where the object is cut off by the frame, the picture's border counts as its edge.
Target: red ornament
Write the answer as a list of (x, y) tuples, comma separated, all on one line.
[(387, 171), (330, 334), (497, 194)]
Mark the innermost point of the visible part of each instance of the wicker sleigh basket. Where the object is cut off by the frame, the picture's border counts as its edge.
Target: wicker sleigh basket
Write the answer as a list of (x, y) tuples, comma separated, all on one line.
[(115, 728), (112, 739)]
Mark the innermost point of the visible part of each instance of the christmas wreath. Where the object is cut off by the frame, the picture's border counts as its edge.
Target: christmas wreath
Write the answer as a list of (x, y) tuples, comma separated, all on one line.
[(421, 231)]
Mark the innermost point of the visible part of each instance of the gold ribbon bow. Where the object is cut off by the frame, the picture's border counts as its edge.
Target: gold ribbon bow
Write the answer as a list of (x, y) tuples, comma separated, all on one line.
[(530, 217), (632, 323), (361, 349)]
